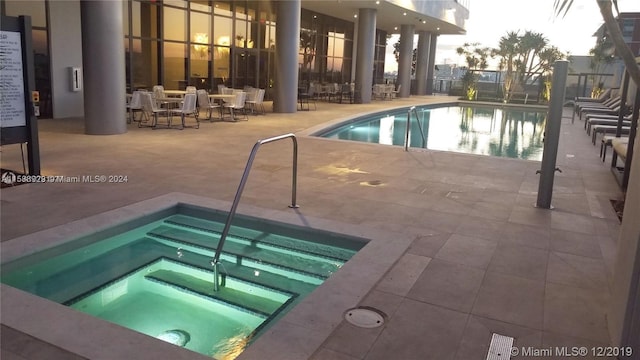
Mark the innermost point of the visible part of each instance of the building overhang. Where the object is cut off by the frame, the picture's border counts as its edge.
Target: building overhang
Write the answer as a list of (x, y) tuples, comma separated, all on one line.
[(444, 17)]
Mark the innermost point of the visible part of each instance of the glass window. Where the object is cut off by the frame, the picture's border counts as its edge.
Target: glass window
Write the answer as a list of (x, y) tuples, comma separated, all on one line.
[(241, 32), (177, 3), (34, 8), (200, 67), (145, 64), (222, 31), (269, 35), (175, 63), (222, 8), (221, 61), (175, 24), (201, 5), (200, 28), (125, 17), (144, 18)]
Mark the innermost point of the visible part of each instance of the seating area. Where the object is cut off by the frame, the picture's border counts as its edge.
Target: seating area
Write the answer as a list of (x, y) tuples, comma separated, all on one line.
[(610, 118), (191, 105)]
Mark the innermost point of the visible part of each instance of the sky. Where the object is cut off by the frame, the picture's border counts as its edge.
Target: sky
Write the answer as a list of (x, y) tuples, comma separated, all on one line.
[(489, 20)]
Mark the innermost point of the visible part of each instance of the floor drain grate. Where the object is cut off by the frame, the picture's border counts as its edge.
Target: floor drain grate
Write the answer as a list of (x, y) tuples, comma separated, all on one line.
[(365, 317), (500, 347)]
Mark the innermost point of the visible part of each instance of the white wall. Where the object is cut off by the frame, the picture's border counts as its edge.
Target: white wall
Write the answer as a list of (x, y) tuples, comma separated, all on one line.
[(65, 36)]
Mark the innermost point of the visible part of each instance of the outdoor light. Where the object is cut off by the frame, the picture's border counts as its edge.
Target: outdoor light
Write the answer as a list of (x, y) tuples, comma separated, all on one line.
[(355, 16)]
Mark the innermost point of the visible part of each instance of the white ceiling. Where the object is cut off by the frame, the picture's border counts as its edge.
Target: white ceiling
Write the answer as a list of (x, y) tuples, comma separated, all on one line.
[(389, 16)]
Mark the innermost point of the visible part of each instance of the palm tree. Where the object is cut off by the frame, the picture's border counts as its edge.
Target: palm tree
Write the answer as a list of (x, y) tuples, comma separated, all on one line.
[(507, 50), (561, 7)]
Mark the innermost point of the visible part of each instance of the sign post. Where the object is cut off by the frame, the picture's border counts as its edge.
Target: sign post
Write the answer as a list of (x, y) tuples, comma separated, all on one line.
[(18, 98)]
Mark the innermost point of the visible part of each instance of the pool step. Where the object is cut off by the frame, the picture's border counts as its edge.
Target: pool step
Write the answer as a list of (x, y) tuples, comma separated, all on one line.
[(320, 268), (230, 294), (324, 250)]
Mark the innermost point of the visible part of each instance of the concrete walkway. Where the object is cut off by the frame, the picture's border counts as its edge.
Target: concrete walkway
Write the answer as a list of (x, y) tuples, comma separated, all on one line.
[(483, 259)]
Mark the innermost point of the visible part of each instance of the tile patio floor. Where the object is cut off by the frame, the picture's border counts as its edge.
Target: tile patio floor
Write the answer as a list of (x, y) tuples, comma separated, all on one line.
[(483, 259)]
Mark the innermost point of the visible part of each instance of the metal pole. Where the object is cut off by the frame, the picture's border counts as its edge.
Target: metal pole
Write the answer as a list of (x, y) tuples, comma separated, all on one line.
[(552, 135), (406, 133), (227, 226)]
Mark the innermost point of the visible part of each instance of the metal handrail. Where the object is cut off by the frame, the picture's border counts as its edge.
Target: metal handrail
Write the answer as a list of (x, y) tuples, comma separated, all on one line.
[(216, 258), (406, 134)]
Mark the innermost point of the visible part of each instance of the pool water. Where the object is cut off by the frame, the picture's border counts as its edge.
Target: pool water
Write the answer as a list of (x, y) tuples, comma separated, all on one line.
[(500, 131), (157, 278)]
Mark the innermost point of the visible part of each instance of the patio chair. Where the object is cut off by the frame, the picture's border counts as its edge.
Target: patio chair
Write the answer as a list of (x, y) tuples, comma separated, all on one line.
[(151, 111), (394, 93), (204, 103), (237, 105), (256, 102), (158, 93), (346, 93), (188, 109), (134, 105), (378, 91)]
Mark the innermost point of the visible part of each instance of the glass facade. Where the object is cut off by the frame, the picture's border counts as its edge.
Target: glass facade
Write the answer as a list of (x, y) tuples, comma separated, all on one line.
[(205, 43), (200, 43)]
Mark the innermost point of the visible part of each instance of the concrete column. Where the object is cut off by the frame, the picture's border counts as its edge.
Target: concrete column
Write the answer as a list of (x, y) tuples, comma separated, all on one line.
[(103, 67), (432, 62), (285, 99), (365, 55), (404, 61), (424, 39)]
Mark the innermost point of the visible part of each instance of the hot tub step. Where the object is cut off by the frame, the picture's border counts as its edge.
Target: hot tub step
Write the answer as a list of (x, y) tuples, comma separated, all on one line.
[(318, 268), (230, 294)]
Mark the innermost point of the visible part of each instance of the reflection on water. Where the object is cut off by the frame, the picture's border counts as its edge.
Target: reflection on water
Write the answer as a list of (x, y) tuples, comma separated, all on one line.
[(505, 132), (231, 348)]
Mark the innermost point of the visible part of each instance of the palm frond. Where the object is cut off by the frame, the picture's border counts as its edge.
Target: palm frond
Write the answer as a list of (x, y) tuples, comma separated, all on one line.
[(561, 7)]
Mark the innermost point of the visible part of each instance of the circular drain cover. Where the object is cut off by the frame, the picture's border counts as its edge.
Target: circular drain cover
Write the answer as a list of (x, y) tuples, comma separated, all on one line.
[(364, 317)]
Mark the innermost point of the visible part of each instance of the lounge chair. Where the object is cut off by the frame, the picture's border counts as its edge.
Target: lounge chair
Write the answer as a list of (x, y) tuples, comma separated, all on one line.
[(600, 99), (611, 103), (607, 129), (603, 111), (607, 141), (597, 121)]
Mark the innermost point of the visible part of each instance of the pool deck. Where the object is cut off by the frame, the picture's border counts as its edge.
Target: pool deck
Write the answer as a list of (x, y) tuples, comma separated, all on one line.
[(481, 258)]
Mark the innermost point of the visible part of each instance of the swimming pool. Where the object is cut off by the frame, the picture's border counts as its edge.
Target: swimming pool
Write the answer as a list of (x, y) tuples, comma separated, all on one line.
[(493, 131), (153, 275)]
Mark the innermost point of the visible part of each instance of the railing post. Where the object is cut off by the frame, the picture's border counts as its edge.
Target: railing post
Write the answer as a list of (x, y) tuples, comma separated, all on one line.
[(236, 200)]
